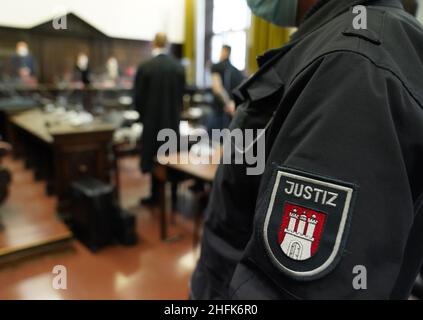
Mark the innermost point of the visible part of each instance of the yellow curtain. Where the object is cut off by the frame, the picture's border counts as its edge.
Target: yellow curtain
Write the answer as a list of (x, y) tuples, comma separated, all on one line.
[(189, 44), (264, 36)]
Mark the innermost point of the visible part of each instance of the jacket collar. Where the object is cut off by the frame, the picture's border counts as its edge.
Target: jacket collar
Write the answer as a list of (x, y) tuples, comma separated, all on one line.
[(323, 12), (158, 51), (326, 10)]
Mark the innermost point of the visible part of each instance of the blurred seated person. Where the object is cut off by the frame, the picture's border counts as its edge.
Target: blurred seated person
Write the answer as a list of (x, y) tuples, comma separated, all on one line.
[(82, 69), (111, 76), (112, 70), (23, 64), (225, 78)]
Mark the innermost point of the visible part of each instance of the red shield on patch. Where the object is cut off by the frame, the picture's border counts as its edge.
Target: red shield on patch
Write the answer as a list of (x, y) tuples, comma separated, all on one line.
[(306, 226), (300, 231)]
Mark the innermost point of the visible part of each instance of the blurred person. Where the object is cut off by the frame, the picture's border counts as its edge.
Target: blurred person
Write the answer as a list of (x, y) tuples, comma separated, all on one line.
[(112, 69), (225, 78), (23, 63), (338, 210), (82, 69), (158, 96)]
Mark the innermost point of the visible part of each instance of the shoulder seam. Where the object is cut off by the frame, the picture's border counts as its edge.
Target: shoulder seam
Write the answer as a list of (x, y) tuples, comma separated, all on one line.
[(378, 66)]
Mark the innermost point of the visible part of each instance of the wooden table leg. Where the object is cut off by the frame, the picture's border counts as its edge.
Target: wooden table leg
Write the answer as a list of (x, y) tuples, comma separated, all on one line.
[(160, 173), (116, 172)]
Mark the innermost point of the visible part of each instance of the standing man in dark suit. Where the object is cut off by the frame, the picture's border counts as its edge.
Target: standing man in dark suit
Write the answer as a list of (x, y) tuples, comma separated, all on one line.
[(158, 91)]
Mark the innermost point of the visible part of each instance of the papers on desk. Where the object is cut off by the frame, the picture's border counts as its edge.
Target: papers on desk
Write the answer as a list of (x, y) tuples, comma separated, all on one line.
[(59, 115), (185, 129), (125, 100), (129, 135), (131, 115), (195, 112), (77, 119)]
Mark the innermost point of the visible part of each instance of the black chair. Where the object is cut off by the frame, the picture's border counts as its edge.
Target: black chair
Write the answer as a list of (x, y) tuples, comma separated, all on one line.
[(96, 218)]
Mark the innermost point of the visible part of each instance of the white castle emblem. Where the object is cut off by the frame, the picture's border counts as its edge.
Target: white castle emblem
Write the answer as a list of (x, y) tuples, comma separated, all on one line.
[(297, 243)]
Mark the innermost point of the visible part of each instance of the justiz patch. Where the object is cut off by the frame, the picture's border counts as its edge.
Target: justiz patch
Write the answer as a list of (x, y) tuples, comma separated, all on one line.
[(307, 223)]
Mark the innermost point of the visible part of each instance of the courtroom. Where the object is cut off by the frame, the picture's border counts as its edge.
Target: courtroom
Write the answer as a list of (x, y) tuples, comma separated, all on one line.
[(211, 150)]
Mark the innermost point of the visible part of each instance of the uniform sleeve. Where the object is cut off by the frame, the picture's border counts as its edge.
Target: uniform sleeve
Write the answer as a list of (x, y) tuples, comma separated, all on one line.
[(336, 202)]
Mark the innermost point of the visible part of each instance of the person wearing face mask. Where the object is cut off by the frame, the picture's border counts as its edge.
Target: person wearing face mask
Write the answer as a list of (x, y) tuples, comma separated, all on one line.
[(82, 69), (338, 211), (112, 70), (23, 62)]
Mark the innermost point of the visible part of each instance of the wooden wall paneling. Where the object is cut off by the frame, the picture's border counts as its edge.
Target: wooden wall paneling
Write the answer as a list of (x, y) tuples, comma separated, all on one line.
[(57, 57), (55, 51)]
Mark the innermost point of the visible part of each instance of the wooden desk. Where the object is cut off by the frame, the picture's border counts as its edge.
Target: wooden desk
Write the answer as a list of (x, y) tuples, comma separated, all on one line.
[(47, 126), (202, 172), (61, 152), (7, 111)]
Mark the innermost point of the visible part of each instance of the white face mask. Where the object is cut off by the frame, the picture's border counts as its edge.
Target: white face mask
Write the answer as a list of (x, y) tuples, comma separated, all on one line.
[(112, 67), (112, 64), (22, 51), (82, 62), (280, 12)]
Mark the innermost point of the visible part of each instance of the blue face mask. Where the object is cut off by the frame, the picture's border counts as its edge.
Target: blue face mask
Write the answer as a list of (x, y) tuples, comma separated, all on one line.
[(280, 12)]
